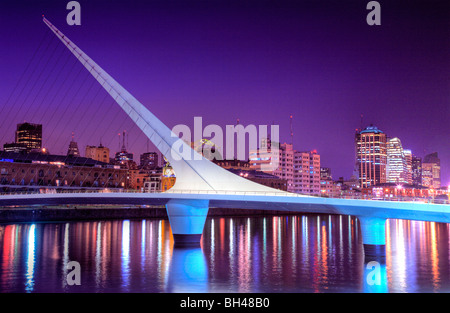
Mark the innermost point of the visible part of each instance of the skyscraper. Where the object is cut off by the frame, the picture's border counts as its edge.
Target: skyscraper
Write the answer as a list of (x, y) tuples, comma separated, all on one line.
[(431, 171), (416, 169), (371, 156), (396, 169), (30, 135), (408, 158)]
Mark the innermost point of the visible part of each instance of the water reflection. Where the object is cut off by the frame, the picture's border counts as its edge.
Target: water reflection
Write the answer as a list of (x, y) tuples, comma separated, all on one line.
[(29, 284), (188, 271), (307, 253)]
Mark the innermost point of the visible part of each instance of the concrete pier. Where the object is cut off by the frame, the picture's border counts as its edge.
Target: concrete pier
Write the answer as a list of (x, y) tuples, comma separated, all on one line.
[(373, 231), (187, 220)]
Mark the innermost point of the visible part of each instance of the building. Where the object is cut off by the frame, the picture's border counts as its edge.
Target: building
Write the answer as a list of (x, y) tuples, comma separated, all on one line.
[(431, 171), (263, 159), (396, 169), (306, 173), (149, 160), (99, 153), (124, 159), (300, 170), (73, 149), (15, 147), (408, 158), (404, 192), (261, 178), (35, 169), (145, 180), (233, 164), (30, 135), (371, 156), (416, 170), (328, 187), (325, 173), (350, 188)]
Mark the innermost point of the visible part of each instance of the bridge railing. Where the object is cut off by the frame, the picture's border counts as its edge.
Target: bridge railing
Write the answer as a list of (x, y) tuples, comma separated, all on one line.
[(218, 192)]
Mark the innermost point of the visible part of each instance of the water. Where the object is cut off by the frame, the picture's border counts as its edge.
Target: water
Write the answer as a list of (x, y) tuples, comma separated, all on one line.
[(303, 253)]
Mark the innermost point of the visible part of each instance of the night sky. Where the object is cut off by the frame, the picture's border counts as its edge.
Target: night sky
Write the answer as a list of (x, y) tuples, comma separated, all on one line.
[(256, 61)]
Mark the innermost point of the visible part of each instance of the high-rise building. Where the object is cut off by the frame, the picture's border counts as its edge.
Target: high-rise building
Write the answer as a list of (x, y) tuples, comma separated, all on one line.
[(416, 169), (396, 169), (431, 171), (371, 156), (30, 135), (306, 172), (149, 160), (408, 158), (261, 159), (99, 153), (300, 170)]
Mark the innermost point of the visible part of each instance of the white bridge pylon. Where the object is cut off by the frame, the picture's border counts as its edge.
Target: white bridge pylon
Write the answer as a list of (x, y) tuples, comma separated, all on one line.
[(195, 173)]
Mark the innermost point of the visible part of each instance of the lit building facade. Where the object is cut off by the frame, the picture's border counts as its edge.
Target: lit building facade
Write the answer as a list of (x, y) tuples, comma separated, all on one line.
[(416, 170), (73, 149), (328, 187), (408, 158), (34, 169), (99, 153), (300, 170), (30, 135), (306, 173), (431, 171), (396, 169), (261, 159), (149, 160), (371, 157)]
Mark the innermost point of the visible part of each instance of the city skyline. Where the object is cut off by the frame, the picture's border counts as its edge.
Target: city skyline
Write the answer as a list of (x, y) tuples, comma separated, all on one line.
[(404, 174), (255, 63)]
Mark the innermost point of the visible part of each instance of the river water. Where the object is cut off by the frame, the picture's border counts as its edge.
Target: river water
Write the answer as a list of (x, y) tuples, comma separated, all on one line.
[(302, 253)]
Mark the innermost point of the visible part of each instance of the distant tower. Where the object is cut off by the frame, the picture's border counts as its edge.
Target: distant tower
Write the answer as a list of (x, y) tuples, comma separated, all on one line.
[(371, 157), (123, 157), (73, 148), (292, 132)]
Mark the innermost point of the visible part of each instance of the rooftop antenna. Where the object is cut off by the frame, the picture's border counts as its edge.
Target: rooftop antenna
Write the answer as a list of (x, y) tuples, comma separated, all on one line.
[(123, 139), (361, 125), (292, 131)]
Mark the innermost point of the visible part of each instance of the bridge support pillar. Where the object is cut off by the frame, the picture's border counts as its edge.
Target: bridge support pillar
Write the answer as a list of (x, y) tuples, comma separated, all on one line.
[(187, 219), (373, 231)]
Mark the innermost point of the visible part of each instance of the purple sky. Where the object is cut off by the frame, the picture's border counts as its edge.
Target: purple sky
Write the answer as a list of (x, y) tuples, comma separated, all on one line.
[(258, 61)]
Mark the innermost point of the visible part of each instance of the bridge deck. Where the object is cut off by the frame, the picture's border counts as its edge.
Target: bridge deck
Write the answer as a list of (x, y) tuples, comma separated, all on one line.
[(264, 201)]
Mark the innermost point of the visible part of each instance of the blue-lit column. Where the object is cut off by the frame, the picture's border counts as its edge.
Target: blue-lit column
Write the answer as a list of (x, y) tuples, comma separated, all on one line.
[(187, 219), (373, 231)]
